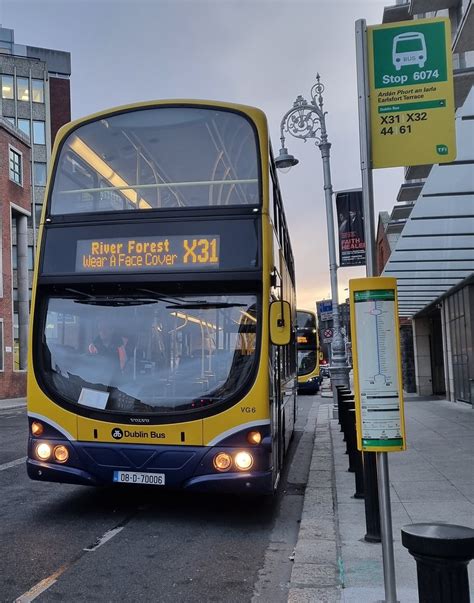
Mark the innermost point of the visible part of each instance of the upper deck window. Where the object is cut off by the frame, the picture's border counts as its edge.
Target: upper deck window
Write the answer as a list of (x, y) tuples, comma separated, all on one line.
[(158, 158), (305, 320)]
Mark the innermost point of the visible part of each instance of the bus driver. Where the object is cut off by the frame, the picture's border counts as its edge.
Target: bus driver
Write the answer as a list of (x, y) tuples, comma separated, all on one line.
[(109, 344)]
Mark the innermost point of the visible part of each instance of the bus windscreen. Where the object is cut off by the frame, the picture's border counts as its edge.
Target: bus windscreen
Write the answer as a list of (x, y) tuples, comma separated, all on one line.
[(141, 354), (158, 158)]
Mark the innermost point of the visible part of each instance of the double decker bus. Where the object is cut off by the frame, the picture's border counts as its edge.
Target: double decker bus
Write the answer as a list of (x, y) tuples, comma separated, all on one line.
[(307, 339), (162, 346)]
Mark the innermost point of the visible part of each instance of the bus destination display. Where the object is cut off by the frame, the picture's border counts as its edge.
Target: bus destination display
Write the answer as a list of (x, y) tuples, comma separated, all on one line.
[(148, 253)]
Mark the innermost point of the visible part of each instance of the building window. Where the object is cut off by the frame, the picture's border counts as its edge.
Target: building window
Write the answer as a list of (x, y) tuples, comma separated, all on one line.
[(7, 86), (24, 126), (37, 91), (22, 89), (10, 119), (39, 132), (16, 172), (15, 258), (38, 212), (40, 174)]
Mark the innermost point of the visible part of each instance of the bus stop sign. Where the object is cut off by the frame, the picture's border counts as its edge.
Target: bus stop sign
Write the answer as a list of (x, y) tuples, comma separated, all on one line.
[(411, 93)]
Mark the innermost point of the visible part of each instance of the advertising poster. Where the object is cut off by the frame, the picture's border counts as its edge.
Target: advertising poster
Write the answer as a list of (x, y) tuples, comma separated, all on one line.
[(350, 221)]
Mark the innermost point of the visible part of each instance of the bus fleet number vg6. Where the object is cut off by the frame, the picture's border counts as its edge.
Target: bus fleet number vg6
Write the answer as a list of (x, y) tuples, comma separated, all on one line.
[(248, 409)]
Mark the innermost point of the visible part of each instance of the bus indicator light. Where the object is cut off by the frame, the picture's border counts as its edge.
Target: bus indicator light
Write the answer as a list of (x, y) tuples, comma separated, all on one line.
[(43, 451), (254, 437), (37, 428)]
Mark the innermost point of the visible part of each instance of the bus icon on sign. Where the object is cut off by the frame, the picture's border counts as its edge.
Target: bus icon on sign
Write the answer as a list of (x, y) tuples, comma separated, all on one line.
[(409, 49)]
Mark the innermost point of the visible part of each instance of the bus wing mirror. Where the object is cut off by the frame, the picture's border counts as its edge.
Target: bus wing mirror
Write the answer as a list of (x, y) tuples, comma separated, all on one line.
[(280, 323)]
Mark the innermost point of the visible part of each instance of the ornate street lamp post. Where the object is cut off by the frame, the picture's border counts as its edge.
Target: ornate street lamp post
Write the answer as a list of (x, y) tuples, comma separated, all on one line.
[(307, 120)]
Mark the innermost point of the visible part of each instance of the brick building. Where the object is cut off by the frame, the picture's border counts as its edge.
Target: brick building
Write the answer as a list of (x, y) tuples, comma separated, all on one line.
[(15, 199), (35, 101)]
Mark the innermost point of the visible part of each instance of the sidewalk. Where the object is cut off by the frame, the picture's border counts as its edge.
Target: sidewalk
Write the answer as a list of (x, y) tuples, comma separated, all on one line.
[(9, 403), (432, 481)]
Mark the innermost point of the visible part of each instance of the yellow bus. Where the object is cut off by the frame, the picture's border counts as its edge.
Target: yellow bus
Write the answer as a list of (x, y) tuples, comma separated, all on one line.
[(307, 339), (163, 346)]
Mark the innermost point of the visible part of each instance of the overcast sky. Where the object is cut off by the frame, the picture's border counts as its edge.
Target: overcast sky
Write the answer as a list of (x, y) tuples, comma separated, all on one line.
[(257, 52)]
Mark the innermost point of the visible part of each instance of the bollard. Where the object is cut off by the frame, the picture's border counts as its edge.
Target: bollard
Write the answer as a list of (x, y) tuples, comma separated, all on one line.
[(351, 437), (339, 409), (344, 399), (341, 390), (442, 553), (372, 507), (349, 432), (341, 412), (356, 459), (345, 406)]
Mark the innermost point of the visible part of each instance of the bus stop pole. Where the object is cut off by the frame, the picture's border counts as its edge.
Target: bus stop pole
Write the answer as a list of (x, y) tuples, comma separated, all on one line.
[(369, 229)]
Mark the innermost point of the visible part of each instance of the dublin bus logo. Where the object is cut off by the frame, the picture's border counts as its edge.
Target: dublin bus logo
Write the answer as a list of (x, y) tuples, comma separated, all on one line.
[(117, 433)]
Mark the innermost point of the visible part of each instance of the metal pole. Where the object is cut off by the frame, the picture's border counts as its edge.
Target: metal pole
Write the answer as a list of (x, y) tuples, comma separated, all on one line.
[(364, 137), (386, 525), (339, 368), (369, 228)]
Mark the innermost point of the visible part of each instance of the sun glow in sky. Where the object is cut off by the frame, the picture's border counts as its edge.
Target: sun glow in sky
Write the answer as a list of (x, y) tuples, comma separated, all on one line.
[(257, 52)]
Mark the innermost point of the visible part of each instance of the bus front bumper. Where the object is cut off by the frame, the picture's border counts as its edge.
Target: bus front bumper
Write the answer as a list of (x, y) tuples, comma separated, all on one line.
[(184, 468), (48, 472)]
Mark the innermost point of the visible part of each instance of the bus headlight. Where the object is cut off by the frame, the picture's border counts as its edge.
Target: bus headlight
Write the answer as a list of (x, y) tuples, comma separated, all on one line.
[(37, 428), (43, 451), (243, 460), (61, 454), (222, 461)]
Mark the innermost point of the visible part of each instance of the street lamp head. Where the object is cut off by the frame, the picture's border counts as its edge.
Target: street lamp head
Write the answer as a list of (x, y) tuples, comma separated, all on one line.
[(284, 159)]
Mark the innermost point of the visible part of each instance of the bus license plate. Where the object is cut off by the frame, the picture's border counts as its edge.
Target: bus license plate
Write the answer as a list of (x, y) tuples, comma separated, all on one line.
[(135, 477)]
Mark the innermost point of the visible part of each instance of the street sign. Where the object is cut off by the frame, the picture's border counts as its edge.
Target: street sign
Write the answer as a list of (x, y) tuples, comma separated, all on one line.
[(327, 335), (325, 310), (411, 93), (377, 364)]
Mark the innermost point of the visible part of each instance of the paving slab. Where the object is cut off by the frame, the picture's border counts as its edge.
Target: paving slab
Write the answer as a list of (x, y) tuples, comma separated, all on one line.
[(432, 481)]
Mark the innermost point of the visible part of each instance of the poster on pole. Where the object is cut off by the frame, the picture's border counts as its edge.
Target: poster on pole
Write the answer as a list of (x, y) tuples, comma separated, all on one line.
[(350, 222), (411, 93), (377, 364)]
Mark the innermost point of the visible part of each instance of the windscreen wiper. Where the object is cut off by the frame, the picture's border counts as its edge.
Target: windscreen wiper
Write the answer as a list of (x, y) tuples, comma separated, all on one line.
[(115, 301)]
